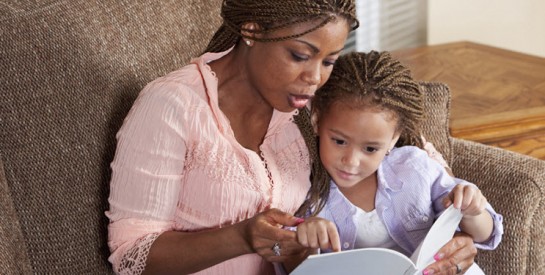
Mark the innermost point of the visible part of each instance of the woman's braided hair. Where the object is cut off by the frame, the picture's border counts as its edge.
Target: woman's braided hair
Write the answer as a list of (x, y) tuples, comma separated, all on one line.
[(272, 15), (359, 80)]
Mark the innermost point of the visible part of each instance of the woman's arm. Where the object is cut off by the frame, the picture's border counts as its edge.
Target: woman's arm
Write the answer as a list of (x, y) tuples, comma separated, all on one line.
[(181, 253)]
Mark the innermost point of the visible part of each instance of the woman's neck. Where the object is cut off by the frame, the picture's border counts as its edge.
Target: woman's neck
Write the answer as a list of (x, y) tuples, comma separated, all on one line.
[(248, 114)]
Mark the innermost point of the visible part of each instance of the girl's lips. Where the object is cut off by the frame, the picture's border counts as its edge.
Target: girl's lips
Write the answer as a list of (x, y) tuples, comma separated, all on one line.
[(298, 101), (344, 175)]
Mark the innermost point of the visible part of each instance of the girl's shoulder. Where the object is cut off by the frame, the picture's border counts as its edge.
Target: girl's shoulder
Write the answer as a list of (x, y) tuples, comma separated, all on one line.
[(410, 161), (406, 155)]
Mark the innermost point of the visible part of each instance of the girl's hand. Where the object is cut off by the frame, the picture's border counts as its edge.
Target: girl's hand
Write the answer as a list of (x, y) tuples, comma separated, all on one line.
[(477, 221), (468, 199), (320, 233), (457, 253), (265, 231)]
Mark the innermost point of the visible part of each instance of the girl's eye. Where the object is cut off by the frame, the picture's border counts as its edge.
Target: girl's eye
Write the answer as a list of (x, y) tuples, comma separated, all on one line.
[(370, 149), (338, 141), (299, 57)]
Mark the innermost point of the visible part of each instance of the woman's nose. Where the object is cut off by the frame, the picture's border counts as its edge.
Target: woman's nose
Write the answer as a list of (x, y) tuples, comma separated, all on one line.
[(312, 74)]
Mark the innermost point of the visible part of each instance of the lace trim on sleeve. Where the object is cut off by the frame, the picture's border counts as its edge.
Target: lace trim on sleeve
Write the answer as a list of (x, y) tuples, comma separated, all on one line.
[(134, 260)]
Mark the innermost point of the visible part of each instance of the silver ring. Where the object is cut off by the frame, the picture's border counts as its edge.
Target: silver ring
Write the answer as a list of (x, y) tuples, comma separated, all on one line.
[(458, 269), (276, 249)]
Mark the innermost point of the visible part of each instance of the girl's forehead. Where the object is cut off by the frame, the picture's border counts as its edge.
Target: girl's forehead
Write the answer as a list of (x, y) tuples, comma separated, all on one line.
[(363, 108)]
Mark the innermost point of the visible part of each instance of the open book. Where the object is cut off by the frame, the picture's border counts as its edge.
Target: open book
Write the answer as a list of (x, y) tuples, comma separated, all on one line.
[(382, 260)]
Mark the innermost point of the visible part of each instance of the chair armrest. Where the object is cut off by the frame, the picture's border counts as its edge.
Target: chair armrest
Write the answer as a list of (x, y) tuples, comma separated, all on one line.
[(514, 184)]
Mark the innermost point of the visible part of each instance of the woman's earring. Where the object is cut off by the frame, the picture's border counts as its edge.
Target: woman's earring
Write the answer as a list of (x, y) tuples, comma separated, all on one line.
[(388, 152), (248, 42)]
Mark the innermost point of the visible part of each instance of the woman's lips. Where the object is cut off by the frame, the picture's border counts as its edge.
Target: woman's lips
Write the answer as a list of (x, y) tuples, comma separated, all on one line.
[(298, 101)]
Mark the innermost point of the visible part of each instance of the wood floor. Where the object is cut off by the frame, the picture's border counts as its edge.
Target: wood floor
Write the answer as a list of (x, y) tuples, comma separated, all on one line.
[(498, 96)]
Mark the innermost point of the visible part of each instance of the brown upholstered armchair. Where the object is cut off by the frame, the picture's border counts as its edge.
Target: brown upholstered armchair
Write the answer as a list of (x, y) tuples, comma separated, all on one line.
[(70, 71)]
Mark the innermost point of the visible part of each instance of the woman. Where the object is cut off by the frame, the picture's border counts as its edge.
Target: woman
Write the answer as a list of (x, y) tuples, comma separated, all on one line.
[(209, 163)]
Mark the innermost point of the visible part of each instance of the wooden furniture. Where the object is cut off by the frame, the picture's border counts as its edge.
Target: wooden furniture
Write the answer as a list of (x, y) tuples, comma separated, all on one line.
[(498, 96)]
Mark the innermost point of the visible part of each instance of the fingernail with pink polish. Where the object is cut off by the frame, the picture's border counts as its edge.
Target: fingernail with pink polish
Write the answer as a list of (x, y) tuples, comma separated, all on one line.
[(428, 272), (438, 256), (299, 221)]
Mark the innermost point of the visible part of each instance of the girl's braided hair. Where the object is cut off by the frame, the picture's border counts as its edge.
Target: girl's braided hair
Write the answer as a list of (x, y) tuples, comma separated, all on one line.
[(272, 15), (360, 80)]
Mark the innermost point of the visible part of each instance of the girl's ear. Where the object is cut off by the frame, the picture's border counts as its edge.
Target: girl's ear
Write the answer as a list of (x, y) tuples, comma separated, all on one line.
[(248, 32), (314, 122)]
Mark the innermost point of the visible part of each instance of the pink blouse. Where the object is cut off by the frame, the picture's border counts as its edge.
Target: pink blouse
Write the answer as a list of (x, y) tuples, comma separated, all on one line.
[(179, 167)]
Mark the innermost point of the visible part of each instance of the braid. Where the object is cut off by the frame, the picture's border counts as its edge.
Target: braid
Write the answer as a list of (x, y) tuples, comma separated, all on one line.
[(318, 176), (372, 80), (375, 80), (274, 15)]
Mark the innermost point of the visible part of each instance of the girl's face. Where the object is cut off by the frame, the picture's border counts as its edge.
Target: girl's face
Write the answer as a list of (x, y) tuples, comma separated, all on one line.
[(287, 73), (353, 142)]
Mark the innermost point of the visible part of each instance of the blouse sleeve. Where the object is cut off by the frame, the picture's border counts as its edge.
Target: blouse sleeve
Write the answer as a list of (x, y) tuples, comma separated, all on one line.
[(146, 176)]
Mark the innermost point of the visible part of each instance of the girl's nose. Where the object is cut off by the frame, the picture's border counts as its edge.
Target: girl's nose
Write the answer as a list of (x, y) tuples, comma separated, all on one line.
[(350, 158)]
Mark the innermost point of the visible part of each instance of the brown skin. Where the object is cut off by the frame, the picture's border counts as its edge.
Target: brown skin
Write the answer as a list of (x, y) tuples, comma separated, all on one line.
[(460, 250), (253, 81)]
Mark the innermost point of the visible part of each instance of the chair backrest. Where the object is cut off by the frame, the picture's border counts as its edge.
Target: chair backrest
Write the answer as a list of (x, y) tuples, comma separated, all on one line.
[(69, 72), (435, 127)]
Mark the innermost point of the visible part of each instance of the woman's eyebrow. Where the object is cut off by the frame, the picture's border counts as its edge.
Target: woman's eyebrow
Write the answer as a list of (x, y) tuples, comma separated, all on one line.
[(314, 48)]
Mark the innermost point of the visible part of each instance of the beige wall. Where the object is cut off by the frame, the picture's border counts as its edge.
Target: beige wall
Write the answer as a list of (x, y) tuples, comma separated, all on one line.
[(517, 25)]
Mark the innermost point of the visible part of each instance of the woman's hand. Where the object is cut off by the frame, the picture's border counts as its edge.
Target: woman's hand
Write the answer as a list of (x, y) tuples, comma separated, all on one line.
[(457, 255), (317, 233), (266, 236)]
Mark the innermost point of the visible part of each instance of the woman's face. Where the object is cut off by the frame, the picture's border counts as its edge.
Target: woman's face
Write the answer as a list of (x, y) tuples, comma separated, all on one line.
[(287, 73)]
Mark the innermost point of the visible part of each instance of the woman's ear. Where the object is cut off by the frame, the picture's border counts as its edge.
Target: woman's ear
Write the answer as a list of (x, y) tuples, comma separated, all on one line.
[(248, 32)]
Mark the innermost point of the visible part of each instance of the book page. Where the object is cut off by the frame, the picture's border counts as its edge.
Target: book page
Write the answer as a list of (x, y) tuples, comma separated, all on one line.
[(367, 261), (440, 233), (363, 261)]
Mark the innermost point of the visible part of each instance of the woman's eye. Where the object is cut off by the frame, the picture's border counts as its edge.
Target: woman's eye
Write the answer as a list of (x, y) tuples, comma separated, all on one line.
[(328, 63), (370, 149), (299, 57)]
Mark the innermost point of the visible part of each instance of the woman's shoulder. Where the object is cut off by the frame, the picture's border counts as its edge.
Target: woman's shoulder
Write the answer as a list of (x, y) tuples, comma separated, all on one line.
[(187, 77)]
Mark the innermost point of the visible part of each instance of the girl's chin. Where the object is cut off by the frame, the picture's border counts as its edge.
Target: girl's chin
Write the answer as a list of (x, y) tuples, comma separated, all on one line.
[(344, 183)]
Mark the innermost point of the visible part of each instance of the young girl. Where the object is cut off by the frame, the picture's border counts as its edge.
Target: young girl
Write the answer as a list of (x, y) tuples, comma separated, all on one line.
[(385, 190)]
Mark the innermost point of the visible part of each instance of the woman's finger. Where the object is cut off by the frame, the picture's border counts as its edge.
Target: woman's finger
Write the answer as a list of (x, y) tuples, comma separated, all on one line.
[(459, 251)]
